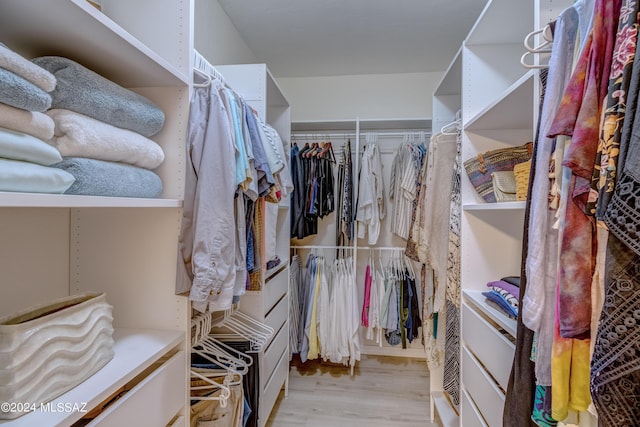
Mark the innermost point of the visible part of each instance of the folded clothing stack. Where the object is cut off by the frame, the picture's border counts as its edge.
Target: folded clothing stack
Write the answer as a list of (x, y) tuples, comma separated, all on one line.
[(504, 295), (102, 130), (25, 157)]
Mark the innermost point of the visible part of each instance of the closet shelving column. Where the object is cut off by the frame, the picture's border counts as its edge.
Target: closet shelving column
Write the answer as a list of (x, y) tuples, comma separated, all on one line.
[(389, 133), (60, 245), (499, 109), (447, 101), (270, 305)]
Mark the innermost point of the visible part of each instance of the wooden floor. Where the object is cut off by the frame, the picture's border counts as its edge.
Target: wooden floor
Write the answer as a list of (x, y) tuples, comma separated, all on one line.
[(384, 392)]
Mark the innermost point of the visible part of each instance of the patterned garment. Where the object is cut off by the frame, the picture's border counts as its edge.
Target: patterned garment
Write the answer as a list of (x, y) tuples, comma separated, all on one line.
[(453, 257), (411, 249), (345, 217), (542, 408), (579, 117), (615, 366), (451, 380), (604, 174), (623, 212)]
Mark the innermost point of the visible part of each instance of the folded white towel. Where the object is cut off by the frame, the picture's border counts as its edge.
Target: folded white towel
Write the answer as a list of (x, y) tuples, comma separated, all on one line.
[(9, 60), (30, 122), (77, 135)]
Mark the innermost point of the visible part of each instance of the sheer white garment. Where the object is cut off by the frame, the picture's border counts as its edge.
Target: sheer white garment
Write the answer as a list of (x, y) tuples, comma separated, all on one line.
[(433, 238), (371, 207), (342, 339)]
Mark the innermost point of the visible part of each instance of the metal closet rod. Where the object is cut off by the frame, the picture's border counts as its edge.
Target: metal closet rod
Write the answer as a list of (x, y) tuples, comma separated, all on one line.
[(370, 248), (320, 247), (353, 134), (382, 248)]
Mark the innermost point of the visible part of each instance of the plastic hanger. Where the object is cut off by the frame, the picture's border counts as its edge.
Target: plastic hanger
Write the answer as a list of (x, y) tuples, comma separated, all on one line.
[(208, 78), (544, 48)]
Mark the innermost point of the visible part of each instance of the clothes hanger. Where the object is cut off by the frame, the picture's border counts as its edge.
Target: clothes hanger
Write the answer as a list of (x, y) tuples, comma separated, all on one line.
[(547, 37), (544, 48), (212, 385), (208, 78)]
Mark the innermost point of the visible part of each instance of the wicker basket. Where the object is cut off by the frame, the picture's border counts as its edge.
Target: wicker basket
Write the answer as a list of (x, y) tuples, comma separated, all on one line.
[(522, 170)]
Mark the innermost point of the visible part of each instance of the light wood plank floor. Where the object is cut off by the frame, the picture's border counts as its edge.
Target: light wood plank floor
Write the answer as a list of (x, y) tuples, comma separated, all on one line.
[(384, 392)]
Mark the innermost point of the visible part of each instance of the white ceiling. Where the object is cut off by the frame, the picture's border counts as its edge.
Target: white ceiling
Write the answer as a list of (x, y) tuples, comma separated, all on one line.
[(303, 38)]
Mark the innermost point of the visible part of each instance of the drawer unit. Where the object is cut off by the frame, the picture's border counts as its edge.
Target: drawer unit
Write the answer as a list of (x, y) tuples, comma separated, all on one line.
[(278, 315), (273, 353), (154, 401), (469, 412), (488, 344), (272, 389), (482, 389), (275, 288)]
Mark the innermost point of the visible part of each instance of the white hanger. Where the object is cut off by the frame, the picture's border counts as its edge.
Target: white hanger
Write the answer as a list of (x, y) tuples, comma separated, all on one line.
[(544, 48), (547, 38), (205, 69)]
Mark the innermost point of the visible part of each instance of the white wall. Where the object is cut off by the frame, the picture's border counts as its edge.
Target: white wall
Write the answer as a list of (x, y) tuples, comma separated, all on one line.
[(368, 96), (216, 38)]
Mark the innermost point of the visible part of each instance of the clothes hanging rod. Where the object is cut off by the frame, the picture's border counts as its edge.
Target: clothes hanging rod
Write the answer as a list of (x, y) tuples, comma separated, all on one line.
[(317, 135), (382, 248), (320, 247)]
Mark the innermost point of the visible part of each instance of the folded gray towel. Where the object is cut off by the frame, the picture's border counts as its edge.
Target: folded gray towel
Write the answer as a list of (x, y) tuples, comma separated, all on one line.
[(84, 91), (100, 178), (9, 60), (20, 93)]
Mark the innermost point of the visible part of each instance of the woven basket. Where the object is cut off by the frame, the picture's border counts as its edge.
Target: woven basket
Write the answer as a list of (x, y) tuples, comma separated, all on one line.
[(522, 170)]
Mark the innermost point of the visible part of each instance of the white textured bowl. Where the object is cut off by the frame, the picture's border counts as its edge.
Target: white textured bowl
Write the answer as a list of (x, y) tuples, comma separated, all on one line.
[(49, 349)]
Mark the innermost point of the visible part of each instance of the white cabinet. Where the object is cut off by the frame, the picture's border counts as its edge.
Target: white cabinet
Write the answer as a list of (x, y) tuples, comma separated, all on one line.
[(59, 245), (270, 305), (499, 102)]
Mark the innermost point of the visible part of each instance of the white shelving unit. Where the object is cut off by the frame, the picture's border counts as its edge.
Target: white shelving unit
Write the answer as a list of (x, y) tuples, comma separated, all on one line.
[(389, 133), (135, 351), (499, 103), (269, 305), (59, 245)]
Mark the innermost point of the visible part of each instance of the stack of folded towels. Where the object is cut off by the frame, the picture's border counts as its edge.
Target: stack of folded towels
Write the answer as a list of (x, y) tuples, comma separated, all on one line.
[(504, 294), (66, 129), (102, 130), (25, 157)]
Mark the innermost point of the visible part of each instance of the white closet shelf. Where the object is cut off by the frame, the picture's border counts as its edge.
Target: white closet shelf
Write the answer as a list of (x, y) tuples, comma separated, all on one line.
[(513, 109), (76, 30), (321, 126), (38, 200), (450, 83), (479, 301), (502, 206), (501, 22), (135, 350), (448, 415)]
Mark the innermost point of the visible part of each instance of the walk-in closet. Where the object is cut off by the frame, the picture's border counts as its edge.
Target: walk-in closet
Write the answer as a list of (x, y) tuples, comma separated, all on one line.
[(266, 213)]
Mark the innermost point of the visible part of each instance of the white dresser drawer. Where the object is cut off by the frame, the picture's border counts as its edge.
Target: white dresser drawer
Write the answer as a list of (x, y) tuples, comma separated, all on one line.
[(272, 390), (274, 289), (482, 389), (491, 348), (469, 413), (273, 353), (278, 315), (154, 401)]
